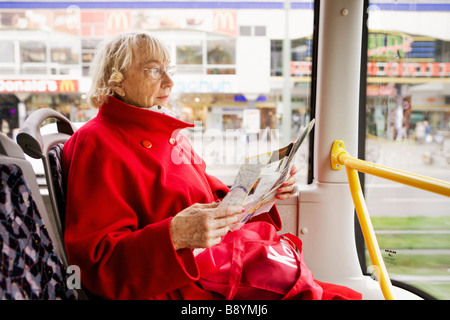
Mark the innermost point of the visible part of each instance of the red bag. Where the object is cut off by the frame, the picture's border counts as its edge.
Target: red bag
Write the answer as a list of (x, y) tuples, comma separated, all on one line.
[(255, 262)]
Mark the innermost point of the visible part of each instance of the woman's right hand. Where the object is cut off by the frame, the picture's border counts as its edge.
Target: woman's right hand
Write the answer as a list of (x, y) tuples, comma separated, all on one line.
[(202, 225)]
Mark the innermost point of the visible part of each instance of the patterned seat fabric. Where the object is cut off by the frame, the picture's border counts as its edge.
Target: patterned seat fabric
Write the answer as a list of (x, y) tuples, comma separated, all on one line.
[(30, 267)]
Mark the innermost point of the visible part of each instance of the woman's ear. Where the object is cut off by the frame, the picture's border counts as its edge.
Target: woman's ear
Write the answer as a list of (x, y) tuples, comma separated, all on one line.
[(115, 81), (119, 90)]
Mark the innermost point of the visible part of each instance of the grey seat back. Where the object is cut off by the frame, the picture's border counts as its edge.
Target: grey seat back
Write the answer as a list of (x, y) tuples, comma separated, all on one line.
[(55, 161), (30, 265), (44, 147)]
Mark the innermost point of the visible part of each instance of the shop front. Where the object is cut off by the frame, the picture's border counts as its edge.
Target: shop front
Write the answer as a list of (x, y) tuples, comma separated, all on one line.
[(20, 97), (408, 90)]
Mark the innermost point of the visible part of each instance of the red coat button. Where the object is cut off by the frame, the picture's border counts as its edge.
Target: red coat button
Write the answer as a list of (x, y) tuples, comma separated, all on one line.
[(146, 144), (172, 141)]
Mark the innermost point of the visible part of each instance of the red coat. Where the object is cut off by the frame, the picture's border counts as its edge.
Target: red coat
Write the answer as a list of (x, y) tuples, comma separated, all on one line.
[(128, 172)]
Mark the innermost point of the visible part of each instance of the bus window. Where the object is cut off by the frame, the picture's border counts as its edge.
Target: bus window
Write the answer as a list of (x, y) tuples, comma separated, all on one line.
[(408, 128), (232, 78)]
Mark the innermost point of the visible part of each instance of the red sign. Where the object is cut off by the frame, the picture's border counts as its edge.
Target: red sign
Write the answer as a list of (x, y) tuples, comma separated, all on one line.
[(225, 22), (301, 68), (387, 69), (100, 24), (117, 22), (381, 90), (408, 69), (34, 86)]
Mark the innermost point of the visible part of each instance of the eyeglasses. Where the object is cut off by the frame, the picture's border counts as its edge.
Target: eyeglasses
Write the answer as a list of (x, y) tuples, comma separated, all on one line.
[(157, 72)]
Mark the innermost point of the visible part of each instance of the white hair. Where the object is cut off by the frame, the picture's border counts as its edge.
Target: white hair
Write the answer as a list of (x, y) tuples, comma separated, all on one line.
[(114, 57)]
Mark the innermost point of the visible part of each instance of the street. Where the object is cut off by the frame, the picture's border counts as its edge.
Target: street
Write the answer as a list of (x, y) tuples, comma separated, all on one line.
[(383, 197), (388, 198)]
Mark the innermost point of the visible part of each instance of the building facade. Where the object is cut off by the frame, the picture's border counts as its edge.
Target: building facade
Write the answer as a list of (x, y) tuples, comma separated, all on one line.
[(229, 61)]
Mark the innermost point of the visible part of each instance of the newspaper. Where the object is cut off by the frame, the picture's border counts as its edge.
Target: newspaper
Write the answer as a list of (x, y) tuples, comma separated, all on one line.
[(259, 178)]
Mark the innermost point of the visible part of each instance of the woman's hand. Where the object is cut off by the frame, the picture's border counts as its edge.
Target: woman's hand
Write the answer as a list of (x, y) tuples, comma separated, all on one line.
[(289, 187), (202, 225)]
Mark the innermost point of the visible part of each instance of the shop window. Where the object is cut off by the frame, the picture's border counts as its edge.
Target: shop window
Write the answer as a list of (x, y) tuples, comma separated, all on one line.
[(88, 47), (89, 44), (260, 31), (189, 57), (302, 49), (64, 55), (189, 53), (33, 51), (85, 71), (245, 30), (87, 57), (6, 51), (221, 52), (301, 57), (221, 71)]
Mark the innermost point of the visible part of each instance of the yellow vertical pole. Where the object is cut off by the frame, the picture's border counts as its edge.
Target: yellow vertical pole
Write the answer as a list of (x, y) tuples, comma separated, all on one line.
[(369, 233)]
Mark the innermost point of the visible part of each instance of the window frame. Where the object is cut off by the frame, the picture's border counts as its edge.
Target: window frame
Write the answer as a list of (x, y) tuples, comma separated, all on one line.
[(362, 129)]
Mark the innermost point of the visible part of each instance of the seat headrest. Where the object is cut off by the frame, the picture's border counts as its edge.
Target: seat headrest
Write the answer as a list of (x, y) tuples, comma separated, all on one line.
[(9, 148)]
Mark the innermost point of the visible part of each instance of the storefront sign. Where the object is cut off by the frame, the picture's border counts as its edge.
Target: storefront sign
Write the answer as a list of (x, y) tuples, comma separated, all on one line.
[(225, 22), (408, 69), (118, 22), (301, 68), (388, 45), (427, 100), (66, 21), (387, 69), (101, 23), (216, 84), (381, 90), (32, 86)]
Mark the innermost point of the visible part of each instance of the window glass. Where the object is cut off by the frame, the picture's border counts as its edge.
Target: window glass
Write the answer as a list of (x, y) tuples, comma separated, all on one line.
[(33, 51), (229, 66), (6, 51), (260, 31), (64, 53), (408, 128), (190, 53), (245, 30), (221, 52), (88, 47), (189, 56)]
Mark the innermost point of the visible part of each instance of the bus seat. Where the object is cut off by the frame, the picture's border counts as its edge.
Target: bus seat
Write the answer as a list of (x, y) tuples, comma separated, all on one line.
[(55, 161), (30, 266), (48, 148)]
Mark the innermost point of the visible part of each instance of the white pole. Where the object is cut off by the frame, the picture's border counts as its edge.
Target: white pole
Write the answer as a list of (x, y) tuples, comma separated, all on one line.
[(286, 115)]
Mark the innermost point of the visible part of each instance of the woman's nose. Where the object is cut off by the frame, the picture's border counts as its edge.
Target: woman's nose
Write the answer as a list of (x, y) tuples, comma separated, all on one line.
[(166, 81)]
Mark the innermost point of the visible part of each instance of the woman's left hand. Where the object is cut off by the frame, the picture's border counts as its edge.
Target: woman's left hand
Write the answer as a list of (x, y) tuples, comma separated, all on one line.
[(289, 187)]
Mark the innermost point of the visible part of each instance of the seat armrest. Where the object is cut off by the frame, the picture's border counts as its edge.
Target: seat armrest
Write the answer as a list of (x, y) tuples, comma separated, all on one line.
[(30, 138)]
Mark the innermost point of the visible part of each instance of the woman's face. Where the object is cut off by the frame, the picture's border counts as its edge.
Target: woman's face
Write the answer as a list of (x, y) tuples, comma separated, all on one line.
[(140, 89)]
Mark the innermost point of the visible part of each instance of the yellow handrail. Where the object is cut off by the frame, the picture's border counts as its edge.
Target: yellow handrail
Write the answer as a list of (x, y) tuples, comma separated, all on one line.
[(339, 158)]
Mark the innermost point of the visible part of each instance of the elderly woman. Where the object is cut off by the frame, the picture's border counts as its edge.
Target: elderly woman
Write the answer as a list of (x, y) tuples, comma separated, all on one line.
[(134, 215)]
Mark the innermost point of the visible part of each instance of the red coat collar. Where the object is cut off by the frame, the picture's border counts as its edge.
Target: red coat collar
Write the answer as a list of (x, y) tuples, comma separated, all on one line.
[(127, 116)]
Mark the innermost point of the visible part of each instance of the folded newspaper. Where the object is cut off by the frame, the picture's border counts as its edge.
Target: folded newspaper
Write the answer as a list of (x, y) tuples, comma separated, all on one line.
[(259, 178)]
